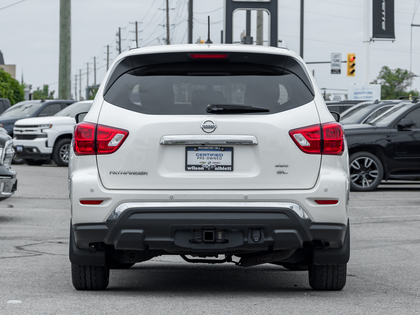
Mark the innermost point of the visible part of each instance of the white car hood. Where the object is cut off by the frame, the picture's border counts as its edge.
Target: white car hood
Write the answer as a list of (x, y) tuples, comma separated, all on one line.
[(45, 120)]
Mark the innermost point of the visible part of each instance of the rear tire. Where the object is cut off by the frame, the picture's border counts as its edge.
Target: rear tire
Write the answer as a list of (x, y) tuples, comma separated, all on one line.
[(61, 152), (89, 277), (327, 277)]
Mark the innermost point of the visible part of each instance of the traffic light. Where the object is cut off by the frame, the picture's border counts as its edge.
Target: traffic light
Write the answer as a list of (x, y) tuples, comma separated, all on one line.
[(351, 65)]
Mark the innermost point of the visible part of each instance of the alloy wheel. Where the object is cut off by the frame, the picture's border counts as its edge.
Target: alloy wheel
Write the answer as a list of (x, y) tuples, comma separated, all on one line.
[(64, 153), (364, 172)]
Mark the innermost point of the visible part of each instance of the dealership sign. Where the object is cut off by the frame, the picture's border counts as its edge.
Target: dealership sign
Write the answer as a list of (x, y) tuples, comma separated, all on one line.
[(367, 92), (383, 20)]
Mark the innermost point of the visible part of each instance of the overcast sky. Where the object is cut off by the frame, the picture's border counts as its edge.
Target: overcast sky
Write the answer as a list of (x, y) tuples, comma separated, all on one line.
[(29, 35)]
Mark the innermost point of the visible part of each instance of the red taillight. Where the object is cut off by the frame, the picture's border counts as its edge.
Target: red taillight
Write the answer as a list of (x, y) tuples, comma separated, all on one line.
[(319, 139), (208, 56), (333, 139), (308, 139), (92, 139), (109, 139), (84, 139)]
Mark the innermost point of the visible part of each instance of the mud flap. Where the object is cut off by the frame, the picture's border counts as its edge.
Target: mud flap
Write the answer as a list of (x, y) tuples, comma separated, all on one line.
[(84, 257), (339, 256)]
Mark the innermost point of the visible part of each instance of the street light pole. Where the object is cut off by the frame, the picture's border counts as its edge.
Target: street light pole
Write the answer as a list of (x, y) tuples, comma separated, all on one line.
[(302, 3)]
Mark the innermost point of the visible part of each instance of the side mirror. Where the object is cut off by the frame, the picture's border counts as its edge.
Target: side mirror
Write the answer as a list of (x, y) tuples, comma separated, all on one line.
[(405, 123), (336, 116), (80, 116), (367, 121)]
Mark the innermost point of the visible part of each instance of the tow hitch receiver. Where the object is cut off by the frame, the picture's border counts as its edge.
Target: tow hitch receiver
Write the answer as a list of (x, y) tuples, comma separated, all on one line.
[(209, 235)]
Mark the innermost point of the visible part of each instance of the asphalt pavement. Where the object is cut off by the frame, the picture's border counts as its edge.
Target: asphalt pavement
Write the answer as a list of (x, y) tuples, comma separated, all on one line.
[(383, 272)]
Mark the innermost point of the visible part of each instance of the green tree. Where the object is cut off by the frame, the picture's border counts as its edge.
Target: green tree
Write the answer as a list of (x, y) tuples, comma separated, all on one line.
[(395, 83), (10, 88), (92, 93), (43, 94)]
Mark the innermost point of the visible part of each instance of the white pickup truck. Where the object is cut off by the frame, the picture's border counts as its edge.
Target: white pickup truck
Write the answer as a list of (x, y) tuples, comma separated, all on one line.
[(39, 139)]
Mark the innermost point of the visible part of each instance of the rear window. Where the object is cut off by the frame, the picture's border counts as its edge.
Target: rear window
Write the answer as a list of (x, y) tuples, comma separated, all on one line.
[(187, 88)]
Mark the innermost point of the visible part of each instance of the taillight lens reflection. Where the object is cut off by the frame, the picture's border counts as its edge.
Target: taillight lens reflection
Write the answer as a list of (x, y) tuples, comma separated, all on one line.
[(319, 139), (90, 139), (333, 139), (84, 139)]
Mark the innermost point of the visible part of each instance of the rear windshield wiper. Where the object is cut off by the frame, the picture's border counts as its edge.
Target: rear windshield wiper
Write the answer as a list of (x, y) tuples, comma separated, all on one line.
[(231, 109)]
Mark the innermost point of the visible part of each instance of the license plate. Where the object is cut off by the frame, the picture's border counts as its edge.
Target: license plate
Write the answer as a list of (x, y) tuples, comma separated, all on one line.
[(215, 159), (19, 148)]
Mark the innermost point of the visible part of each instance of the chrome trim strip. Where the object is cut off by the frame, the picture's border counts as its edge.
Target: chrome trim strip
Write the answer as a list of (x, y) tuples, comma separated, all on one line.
[(130, 205), (208, 140)]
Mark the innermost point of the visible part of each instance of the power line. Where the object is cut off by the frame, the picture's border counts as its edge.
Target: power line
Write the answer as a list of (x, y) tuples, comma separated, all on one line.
[(198, 21), (151, 41), (152, 19), (8, 6), (208, 11), (416, 6), (317, 13), (151, 34), (178, 16)]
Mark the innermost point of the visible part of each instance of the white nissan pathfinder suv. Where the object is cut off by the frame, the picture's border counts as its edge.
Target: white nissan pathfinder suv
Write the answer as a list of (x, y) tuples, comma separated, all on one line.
[(216, 153)]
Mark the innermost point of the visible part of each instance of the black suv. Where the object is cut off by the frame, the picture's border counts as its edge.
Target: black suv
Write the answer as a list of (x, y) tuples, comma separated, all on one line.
[(28, 109), (386, 148), (366, 112)]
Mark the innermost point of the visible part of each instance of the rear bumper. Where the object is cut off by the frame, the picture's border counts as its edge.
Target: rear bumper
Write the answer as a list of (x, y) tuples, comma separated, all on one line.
[(32, 152), (210, 230), (36, 149)]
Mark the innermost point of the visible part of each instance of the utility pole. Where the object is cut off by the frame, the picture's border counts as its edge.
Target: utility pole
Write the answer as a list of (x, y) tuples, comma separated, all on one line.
[(301, 26), (260, 25), (119, 40), (64, 75), (107, 57), (137, 35), (248, 39), (75, 87), (367, 39), (80, 84), (87, 74), (190, 21), (168, 40)]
